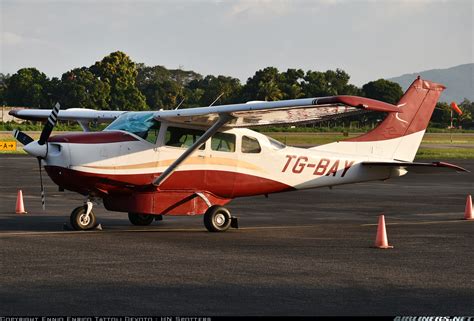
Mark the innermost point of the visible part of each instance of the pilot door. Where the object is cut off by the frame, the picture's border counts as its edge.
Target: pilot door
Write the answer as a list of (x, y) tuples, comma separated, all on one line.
[(221, 158)]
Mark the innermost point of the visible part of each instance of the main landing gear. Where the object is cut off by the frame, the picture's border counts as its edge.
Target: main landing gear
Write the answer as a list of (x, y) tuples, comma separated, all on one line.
[(218, 219), (143, 219)]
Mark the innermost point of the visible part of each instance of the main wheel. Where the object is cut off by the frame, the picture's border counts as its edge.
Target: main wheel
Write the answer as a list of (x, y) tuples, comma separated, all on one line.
[(217, 219), (140, 219), (80, 221)]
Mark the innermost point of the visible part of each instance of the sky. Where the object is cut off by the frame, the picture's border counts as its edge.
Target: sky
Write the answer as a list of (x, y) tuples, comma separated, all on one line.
[(369, 39)]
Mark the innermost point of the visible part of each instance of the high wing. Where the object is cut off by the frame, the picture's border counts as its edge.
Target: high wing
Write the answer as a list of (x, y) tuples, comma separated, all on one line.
[(81, 115), (250, 114), (295, 111)]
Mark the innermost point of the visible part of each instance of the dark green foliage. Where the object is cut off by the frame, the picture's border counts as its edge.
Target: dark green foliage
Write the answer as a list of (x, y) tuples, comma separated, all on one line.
[(30, 88), (441, 115), (80, 88), (264, 85), (3, 88), (329, 83), (117, 83), (383, 90), (164, 88), (466, 119), (211, 87), (120, 73), (290, 83)]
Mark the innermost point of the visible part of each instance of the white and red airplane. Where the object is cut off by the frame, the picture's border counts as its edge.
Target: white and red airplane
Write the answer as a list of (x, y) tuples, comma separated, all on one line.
[(195, 161)]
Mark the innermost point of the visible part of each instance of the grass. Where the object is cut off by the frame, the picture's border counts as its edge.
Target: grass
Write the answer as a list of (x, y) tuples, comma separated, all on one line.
[(443, 153), (313, 139)]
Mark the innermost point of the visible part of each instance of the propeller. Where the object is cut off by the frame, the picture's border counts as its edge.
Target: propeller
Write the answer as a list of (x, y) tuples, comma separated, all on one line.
[(39, 148), (22, 137), (48, 127)]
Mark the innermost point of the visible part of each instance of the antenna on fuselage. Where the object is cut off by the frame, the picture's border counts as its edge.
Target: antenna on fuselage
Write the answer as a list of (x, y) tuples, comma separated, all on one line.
[(182, 101), (216, 99)]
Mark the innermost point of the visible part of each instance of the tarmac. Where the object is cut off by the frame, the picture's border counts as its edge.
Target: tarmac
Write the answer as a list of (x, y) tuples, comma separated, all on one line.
[(299, 253)]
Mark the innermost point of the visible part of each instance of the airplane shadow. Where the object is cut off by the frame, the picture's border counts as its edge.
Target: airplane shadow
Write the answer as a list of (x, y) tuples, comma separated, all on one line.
[(51, 223)]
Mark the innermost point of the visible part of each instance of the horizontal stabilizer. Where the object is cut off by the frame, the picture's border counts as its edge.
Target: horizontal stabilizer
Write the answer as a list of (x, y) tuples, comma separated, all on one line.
[(423, 168)]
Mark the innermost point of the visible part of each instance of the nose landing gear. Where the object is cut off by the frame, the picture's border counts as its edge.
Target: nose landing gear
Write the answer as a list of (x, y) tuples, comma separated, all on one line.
[(83, 218)]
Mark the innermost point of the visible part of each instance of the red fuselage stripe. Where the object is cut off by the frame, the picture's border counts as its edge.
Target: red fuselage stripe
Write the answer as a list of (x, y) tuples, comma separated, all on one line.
[(224, 184), (93, 138)]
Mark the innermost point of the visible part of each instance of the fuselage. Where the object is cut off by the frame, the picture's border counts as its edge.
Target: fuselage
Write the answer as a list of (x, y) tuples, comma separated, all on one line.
[(246, 163)]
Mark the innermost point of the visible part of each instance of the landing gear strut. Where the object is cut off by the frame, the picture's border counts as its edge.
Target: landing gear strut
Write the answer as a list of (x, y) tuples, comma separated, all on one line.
[(218, 219), (83, 218)]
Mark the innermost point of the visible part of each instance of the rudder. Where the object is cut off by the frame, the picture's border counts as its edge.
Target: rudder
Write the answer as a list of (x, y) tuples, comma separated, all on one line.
[(417, 105)]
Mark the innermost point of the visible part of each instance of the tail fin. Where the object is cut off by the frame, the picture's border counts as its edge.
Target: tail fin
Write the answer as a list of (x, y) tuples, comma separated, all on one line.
[(399, 135)]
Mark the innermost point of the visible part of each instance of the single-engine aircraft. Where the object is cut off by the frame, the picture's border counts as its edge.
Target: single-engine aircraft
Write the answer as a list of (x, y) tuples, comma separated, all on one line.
[(195, 161)]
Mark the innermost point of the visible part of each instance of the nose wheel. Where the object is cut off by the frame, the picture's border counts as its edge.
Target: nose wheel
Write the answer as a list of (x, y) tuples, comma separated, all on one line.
[(83, 218)]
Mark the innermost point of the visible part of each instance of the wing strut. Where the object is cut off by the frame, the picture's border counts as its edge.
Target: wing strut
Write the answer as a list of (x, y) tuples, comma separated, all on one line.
[(222, 120)]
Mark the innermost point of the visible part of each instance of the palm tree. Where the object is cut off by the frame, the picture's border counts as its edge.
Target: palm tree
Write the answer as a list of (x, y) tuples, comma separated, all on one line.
[(269, 91)]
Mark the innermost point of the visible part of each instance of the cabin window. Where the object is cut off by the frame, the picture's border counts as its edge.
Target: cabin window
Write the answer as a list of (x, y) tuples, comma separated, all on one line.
[(223, 142), (182, 137), (152, 135), (250, 145), (276, 144)]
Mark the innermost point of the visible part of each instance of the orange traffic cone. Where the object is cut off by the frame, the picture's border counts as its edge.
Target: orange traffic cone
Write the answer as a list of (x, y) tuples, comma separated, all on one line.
[(468, 215), (20, 208), (381, 241)]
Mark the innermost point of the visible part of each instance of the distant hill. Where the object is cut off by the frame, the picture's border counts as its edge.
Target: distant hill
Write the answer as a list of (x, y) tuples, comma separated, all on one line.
[(459, 81)]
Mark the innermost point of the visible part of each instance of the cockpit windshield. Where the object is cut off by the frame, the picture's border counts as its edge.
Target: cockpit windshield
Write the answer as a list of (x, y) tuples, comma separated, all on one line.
[(138, 123)]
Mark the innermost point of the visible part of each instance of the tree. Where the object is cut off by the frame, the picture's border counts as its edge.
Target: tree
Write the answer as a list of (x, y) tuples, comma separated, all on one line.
[(156, 83), (212, 87), (290, 83), (384, 90), (3, 88), (29, 87), (264, 85), (147, 75), (315, 84), (120, 73), (183, 77), (328, 83), (80, 88), (466, 119), (337, 81), (162, 95), (441, 115), (269, 90)]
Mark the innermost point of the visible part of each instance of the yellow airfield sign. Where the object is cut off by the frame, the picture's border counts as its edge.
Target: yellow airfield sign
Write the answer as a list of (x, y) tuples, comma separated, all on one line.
[(8, 146)]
